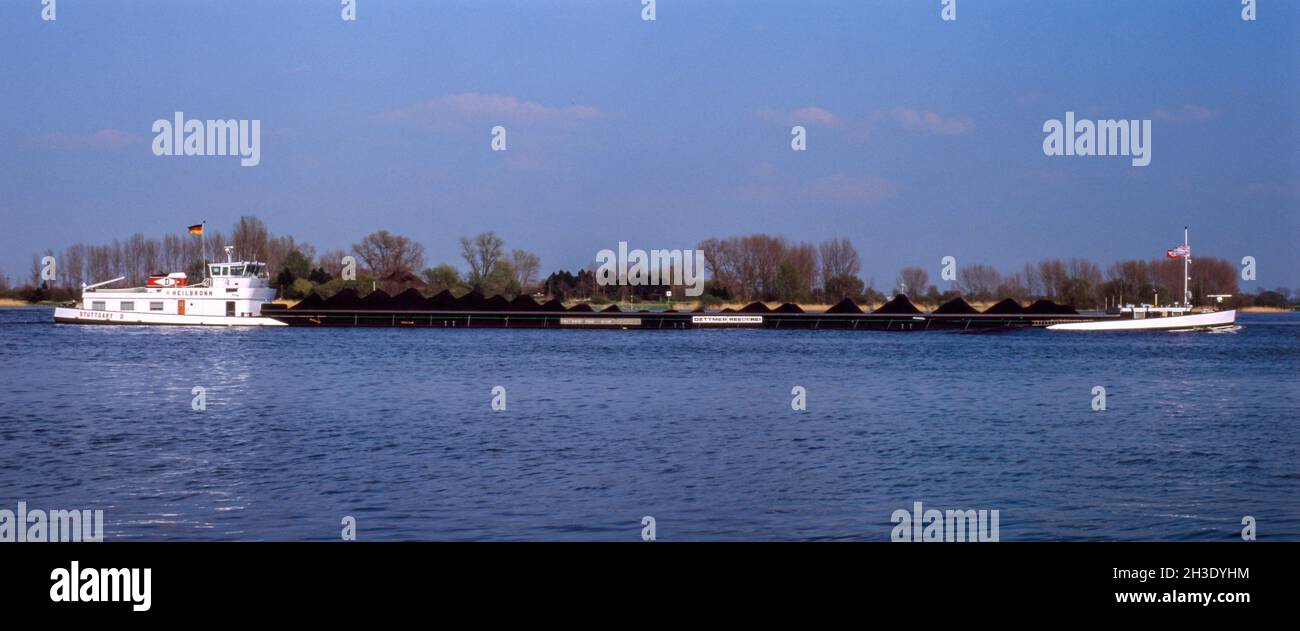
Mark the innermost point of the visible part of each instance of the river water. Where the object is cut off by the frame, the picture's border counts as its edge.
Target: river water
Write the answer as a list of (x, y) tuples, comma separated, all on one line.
[(396, 428)]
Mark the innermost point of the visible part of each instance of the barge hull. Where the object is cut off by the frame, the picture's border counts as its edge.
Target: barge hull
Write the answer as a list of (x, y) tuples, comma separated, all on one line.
[(665, 320), (70, 315)]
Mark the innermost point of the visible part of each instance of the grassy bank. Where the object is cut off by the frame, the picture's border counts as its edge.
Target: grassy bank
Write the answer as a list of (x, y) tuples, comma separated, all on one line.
[(1265, 310)]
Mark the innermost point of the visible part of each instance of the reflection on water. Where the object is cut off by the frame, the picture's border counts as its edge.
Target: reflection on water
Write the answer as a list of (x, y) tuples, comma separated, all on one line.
[(695, 428)]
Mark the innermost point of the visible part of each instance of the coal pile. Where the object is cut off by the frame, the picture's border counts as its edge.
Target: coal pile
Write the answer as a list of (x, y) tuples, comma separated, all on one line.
[(496, 303), (611, 309), (524, 302), (845, 306), (956, 306), (346, 299), (552, 305), (473, 301), (1006, 307), (409, 300), (788, 307), (1042, 307), (1047, 307), (755, 307), (376, 300), (441, 301), (581, 307), (900, 305), (314, 301)]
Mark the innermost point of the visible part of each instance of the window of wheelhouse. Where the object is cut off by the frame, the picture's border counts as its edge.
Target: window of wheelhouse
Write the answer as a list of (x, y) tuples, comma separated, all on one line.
[(236, 270)]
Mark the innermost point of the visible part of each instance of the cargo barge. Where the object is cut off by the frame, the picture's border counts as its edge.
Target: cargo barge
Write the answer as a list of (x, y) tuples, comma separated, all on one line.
[(410, 309), (238, 293)]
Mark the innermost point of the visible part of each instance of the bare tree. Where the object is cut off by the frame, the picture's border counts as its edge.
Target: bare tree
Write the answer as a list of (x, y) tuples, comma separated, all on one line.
[(389, 255), (100, 266), (173, 253), (1013, 287), (1052, 278), (279, 248), (526, 265), (332, 262), (1033, 283), (481, 254), (72, 266), (913, 280), (803, 264), (978, 281), (721, 263), (36, 270), (839, 258), (251, 239)]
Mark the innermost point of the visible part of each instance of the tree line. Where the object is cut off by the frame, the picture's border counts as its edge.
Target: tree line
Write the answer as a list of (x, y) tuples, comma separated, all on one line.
[(378, 260), (739, 269)]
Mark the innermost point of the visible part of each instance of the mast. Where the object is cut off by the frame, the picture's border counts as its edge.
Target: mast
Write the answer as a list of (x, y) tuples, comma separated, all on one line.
[(203, 245), (1187, 249)]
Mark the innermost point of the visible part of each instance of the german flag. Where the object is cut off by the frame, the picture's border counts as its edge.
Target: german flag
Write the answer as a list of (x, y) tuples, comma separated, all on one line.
[(196, 228)]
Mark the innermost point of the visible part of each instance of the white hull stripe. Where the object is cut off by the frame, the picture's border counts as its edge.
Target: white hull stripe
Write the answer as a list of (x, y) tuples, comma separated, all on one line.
[(68, 315)]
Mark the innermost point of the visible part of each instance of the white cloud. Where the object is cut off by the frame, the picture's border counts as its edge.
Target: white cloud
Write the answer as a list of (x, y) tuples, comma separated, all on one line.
[(487, 107), (1185, 114), (808, 115), (930, 122)]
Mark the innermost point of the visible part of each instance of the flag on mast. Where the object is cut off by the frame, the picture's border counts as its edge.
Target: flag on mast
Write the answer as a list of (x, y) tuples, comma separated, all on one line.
[(196, 228), (1180, 252)]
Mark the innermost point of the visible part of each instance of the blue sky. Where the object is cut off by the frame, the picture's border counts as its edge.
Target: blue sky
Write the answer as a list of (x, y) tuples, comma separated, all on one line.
[(924, 136)]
